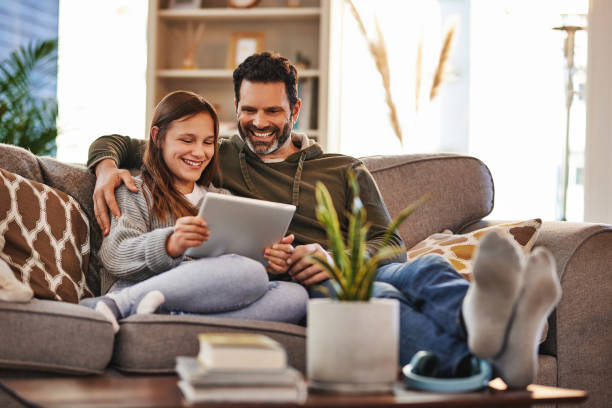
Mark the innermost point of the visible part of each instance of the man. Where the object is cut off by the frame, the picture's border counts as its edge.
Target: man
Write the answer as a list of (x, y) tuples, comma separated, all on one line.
[(499, 316)]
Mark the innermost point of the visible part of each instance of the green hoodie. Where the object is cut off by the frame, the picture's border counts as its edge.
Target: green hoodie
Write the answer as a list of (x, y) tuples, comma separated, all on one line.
[(290, 181)]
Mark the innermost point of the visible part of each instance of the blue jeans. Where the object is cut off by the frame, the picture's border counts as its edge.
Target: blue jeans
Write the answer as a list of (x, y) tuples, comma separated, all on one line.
[(431, 293), (222, 286)]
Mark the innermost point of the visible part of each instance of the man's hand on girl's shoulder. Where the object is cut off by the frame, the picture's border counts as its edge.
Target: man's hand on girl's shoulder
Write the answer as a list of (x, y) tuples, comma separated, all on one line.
[(108, 178)]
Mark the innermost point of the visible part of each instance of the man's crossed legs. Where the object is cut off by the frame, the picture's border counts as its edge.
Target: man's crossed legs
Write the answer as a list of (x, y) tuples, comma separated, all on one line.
[(499, 316)]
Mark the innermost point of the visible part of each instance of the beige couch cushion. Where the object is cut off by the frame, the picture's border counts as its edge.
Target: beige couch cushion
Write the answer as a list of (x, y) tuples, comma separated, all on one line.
[(150, 343), (45, 335)]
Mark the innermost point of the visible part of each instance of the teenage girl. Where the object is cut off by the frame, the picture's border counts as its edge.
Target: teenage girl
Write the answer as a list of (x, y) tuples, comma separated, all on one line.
[(144, 251)]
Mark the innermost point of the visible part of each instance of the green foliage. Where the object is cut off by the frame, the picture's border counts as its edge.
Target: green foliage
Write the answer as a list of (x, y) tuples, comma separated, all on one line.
[(353, 270), (28, 120)]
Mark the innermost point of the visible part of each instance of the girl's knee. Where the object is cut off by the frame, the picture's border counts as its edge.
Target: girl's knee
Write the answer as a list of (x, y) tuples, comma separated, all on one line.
[(250, 275), (292, 298)]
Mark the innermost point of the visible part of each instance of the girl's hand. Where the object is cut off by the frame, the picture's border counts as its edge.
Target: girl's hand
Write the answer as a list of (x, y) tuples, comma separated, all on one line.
[(278, 254), (188, 232)]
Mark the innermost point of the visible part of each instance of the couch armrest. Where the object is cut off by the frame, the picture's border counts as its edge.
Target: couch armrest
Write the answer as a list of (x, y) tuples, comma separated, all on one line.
[(581, 328)]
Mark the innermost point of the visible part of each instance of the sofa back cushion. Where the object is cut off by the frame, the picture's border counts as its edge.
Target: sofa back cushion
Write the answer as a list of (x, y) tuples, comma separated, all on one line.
[(461, 188), (45, 238)]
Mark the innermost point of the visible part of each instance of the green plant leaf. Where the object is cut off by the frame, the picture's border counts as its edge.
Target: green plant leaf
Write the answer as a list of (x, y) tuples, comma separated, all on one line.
[(28, 119), (357, 232), (402, 217), (354, 271), (335, 273), (327, 216)]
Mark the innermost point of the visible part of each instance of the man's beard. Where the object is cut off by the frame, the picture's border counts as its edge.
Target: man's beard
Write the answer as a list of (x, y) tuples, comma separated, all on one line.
[(266, 148)]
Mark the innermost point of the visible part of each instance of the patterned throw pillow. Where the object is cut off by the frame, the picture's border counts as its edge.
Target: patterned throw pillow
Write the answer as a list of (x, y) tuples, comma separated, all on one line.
[(459, 249), (44, 238)]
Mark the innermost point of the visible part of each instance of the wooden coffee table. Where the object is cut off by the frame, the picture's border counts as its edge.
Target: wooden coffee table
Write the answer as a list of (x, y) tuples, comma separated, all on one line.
[(161, 391)]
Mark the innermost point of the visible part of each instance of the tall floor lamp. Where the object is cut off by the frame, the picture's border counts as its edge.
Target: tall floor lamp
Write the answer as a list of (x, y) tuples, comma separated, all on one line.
[(569, 97)]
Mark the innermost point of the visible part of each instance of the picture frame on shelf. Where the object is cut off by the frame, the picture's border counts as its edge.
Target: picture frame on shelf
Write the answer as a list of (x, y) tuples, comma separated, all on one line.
[(184, 4), (243, 44)]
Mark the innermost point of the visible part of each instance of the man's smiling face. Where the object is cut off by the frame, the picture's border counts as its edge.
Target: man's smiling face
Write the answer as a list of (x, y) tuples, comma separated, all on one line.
[(265, 119)]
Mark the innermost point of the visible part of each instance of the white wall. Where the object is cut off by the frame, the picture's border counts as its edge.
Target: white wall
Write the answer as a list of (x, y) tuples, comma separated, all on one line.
[(598, 176)]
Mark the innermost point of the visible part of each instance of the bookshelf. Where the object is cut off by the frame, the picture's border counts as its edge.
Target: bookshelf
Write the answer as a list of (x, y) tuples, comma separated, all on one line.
[(286, 30)]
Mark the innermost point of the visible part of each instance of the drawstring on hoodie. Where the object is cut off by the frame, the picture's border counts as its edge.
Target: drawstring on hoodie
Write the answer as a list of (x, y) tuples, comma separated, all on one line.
[(296, 180), (295, 196), (246, 175)]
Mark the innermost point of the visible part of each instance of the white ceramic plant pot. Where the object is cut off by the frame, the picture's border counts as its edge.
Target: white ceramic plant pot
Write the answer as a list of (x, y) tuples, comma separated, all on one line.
[(352, 346)]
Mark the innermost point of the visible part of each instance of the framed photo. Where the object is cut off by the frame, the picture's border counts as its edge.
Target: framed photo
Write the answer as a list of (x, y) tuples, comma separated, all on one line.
[(184, 4), (242, 44)]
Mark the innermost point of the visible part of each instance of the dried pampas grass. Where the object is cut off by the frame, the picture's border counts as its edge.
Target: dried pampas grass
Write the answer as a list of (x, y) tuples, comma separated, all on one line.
[(418, 75), (443, 60), (378, 49)]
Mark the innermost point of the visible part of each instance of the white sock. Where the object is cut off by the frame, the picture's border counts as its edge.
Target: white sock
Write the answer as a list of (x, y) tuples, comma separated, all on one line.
[(150, 302), (101, 307), (518, 362), (489, 301)]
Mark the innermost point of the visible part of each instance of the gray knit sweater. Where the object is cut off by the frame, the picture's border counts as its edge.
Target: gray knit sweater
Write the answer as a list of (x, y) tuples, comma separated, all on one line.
[(135, 248)]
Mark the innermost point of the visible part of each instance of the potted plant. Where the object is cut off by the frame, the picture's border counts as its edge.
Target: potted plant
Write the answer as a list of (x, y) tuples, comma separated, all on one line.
[(352, 341), (27, 116)]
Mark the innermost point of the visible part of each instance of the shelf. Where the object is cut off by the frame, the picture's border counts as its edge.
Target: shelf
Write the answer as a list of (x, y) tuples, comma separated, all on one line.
[(216, 73), (287, 30), (262, 13)]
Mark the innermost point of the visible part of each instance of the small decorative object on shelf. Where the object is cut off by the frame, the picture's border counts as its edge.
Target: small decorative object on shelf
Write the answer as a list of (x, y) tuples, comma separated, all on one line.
[(243, 44), (192, 40), (301, 61), (242, 3), (184, 4), (293, 3)]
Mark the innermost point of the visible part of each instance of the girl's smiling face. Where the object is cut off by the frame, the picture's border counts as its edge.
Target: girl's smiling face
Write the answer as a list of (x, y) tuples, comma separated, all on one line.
[(187, 148)]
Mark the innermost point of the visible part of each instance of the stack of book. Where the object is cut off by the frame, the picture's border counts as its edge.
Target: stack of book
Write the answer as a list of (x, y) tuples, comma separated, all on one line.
[(239, 368)]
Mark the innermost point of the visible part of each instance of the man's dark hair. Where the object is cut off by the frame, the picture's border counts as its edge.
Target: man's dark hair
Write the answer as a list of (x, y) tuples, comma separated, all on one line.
[(267, 67)]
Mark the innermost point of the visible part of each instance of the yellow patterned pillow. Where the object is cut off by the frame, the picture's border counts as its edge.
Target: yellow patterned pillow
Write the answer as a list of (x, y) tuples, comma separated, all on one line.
[(459, 249)]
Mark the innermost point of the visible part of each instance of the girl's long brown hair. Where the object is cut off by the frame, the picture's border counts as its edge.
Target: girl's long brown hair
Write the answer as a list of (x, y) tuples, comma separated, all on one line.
[(166, 199)]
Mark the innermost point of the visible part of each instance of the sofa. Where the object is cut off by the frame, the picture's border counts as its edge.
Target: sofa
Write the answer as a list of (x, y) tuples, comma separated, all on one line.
[(42, 338)]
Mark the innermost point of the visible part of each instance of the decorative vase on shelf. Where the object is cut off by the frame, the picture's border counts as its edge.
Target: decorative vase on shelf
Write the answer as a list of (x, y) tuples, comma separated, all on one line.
[(193, 37), (352, 342)]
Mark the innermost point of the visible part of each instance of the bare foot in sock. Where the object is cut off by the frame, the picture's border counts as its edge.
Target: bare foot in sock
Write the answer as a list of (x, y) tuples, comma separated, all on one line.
[(488, 303), (101, 307), (150, 302), (518, 362)]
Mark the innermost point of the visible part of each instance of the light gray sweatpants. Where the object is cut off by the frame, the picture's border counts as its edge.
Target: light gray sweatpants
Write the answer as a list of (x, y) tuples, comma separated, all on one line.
[(223, 286)]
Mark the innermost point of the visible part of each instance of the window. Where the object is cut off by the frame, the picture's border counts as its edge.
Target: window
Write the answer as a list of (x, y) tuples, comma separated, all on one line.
[(503, 101)]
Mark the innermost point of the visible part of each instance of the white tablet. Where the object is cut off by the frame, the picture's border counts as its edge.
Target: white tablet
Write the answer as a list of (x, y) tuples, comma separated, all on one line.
[(242, 226)]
